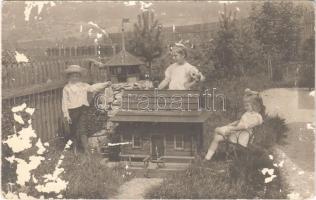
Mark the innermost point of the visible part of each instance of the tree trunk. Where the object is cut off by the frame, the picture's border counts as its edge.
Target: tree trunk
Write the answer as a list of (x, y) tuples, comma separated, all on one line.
[(149, 68)]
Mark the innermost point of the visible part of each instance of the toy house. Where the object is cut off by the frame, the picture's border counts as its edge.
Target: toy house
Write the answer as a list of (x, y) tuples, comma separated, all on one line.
[(123, 67), (161, 124)]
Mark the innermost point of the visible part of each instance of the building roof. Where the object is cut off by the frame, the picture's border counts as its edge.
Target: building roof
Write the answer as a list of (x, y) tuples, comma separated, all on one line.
[(123, 58), (161, 116)]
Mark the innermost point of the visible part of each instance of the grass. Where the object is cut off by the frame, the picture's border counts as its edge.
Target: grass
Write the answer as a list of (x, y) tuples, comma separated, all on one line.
[(87, 178)]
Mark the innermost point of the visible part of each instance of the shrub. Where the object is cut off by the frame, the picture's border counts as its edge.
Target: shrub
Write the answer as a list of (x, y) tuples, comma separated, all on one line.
[(306, 77), (272, 131)]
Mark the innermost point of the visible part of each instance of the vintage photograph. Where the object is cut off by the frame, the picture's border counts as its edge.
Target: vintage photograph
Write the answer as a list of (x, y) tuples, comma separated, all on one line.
[(158, 99)]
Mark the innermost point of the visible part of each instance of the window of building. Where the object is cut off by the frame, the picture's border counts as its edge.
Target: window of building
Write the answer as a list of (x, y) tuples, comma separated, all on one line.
[(137, 141), (178, 142)]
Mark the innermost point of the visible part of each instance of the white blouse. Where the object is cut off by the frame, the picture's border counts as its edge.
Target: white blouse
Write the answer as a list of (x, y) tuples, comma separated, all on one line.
[(75, 95), (249, 120)]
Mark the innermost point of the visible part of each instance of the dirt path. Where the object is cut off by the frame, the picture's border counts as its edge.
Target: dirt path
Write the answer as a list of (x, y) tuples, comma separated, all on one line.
[(297, 107), (137, 187)]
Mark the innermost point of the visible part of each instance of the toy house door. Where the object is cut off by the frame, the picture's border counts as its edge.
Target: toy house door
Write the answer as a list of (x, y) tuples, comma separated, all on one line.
[(157, 146)]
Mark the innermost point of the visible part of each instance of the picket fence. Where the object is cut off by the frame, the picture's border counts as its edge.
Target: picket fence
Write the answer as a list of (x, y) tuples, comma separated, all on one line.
[(39, 85)]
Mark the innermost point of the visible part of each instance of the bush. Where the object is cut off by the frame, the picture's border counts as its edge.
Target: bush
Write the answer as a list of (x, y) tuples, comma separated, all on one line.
[(271, 132), (306, 77)]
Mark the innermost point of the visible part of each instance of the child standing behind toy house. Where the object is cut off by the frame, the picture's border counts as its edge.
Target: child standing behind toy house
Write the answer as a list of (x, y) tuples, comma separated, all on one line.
[(240, 131), (180, 75), (75, 104)]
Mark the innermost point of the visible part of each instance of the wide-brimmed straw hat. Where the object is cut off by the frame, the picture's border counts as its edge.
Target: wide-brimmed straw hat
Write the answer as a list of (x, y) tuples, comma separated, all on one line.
[(74, 69)]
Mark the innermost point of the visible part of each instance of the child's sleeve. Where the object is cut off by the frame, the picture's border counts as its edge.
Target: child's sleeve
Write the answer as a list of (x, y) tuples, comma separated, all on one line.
[(250, 121), (65, 103), (168, 74), (96, 87)]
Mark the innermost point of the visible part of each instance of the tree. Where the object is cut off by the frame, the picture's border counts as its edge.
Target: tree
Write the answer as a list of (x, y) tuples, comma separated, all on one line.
[(224, 44), (147, 39), (276, 26)]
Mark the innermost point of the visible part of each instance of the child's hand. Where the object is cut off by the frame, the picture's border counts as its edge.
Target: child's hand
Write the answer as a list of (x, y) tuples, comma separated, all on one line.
[(68, 119), (108, 83)]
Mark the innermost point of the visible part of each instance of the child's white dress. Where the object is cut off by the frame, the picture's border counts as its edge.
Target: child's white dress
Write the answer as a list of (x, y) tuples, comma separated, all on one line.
[(177, 75), (247, 121)]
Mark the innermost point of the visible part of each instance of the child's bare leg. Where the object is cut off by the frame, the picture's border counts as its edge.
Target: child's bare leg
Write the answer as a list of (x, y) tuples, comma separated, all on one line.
[(214, 144)]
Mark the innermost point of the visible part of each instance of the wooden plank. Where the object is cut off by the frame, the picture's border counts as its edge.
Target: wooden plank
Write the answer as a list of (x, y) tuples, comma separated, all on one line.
[(38, 88), (28, 75), (40, 72), (14, 76), (54, 70), (46, 73), (18, 75), (35, 73), (23, 75), (47, 114), (58, 103), (43, 115), (10, 76), (53, 111), (39, 116), (51, 114), (56, 110), (58, 70), (5, 76)]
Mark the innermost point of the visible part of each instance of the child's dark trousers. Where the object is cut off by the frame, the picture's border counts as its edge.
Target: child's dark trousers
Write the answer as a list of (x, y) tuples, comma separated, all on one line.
[(78, 128)]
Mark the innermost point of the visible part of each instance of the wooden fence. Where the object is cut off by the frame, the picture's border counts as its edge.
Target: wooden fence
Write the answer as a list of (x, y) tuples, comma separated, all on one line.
[(24, 75), (39, 85)]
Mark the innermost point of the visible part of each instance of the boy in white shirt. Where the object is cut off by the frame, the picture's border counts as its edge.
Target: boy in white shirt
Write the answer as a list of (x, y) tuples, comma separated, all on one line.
[(180, 75), (75, 104)]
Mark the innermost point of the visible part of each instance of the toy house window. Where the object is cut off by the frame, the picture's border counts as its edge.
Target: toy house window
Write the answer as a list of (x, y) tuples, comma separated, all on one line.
[(179, 142), (137, 141)]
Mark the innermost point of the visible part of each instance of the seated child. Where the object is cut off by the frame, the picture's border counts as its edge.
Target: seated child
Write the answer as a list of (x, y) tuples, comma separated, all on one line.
[(180, 75), (75, 104), (241, 130)]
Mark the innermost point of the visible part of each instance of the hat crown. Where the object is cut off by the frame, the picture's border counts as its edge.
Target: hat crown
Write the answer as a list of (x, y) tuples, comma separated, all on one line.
[(74, 68)]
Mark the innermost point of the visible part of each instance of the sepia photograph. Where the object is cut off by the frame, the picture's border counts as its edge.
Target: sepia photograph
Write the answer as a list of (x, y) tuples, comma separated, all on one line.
[(158, 99)]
